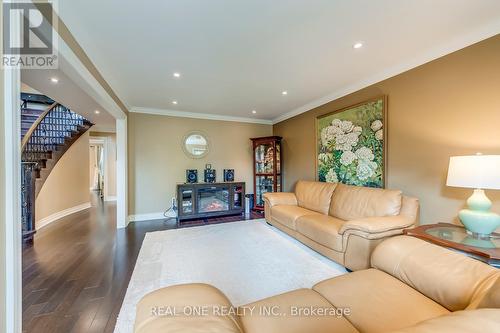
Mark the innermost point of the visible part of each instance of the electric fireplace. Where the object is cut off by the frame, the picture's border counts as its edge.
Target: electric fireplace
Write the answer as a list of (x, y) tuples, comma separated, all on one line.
[(213, 199), (204, 200)]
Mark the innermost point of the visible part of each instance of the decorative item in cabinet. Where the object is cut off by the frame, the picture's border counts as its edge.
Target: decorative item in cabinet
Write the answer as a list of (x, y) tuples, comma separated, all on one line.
[(267, 168)]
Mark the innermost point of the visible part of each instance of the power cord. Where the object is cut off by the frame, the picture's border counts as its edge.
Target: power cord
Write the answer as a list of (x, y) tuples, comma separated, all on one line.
[(171, 212)]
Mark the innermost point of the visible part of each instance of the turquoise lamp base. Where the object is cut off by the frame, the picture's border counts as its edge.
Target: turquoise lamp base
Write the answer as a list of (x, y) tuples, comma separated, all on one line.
[(478, 222), (479, 219)]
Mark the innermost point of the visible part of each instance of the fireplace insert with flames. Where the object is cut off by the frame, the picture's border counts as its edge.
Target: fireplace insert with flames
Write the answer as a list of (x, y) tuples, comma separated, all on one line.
[(203, 200)]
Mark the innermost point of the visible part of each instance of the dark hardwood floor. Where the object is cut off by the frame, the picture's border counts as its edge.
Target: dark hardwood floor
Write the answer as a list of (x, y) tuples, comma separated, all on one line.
[(77, 271)]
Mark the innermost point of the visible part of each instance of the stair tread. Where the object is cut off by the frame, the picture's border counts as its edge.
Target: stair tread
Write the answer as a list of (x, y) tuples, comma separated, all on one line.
[(29, 116), (28, 110)]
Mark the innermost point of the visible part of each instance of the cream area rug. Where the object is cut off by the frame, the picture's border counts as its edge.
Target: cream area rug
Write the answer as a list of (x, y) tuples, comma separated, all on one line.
[(247, 260)]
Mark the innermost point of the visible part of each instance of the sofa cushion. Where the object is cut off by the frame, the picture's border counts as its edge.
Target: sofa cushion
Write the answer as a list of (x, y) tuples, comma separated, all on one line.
[(378, 301), (287, 214), (322, 229), (315, 196), (476, 321), (448, 277), (163, 310), (258, 321), (491, 298), (354, 202)]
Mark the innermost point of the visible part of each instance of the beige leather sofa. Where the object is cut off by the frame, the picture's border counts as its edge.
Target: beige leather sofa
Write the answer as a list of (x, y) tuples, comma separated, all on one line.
[(413, 286), (344, 223)]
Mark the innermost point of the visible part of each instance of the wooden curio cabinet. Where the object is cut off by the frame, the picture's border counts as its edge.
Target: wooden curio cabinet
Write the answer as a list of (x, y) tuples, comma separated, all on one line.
[(267, 166)]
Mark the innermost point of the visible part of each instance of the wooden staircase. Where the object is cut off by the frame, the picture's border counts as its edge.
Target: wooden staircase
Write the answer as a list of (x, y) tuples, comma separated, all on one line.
[(48, 130)]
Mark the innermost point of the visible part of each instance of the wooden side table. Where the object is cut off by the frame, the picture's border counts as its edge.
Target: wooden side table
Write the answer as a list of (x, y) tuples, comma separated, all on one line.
[(457, 238)]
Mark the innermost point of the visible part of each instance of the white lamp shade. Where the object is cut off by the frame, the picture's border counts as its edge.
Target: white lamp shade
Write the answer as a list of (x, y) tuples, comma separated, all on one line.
[(474, 171)]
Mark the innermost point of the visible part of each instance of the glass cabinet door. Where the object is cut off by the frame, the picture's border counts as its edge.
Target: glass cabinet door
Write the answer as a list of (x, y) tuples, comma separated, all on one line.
[(268, 168), (238, 197), (263, 185), (187, 201), (264, 159)]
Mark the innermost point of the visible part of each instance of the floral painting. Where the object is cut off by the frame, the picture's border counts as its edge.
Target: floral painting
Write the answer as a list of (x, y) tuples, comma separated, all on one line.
[(350, 145)]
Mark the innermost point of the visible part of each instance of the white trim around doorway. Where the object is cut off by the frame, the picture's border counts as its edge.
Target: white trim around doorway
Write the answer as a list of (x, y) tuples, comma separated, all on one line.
[(121, 174), (11, 229)]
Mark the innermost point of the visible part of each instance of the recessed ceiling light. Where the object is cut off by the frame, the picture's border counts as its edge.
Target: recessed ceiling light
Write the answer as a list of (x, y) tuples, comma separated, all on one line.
[(254, 112), (357, 45), (284, 92), (174, 102), (54, 79), (177, 75), (97, 111)]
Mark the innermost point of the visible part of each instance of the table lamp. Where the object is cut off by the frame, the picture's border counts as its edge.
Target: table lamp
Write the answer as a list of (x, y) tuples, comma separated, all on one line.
[(479, 172)]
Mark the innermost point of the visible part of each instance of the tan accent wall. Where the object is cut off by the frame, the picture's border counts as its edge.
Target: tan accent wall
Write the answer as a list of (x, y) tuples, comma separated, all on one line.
[(157, 162), (111, 161), (68, 184), (450, 106)]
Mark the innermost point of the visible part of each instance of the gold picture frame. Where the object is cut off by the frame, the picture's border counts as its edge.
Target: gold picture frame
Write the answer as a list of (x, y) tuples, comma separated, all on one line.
[(351, 144)]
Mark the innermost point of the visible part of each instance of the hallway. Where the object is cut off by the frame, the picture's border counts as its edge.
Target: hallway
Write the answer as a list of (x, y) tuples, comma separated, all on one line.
[(76, 274)]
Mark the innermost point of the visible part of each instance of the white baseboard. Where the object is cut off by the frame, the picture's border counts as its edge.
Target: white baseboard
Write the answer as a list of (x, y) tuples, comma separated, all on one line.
[(59, 215), (110, 198), (146, 217)]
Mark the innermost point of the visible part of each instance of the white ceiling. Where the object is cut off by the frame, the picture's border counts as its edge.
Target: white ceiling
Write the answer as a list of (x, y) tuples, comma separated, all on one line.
[(238, 56), (68, 92)]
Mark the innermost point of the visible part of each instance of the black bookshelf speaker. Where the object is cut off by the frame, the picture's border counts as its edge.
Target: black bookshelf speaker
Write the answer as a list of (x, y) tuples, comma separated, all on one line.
[(229, 175), (191, 176), (209, 175)]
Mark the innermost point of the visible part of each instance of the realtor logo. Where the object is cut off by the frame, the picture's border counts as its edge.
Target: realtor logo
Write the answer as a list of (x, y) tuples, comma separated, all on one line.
[(28, 38)]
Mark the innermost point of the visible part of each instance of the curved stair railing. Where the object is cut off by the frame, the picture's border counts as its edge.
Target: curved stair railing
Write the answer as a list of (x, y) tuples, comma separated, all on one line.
[(48, 138)]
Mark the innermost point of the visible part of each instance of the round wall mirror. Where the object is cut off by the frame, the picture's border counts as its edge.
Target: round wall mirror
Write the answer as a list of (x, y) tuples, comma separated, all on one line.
[(196, 145)]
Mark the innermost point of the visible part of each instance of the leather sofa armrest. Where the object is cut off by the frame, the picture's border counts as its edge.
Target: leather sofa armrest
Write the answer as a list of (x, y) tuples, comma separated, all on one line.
[(184, 307), (373, 225), (280, 198)]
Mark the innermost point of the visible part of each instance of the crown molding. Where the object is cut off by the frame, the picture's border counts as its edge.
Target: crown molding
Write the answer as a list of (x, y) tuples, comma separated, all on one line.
[(103, 129), (197, 115), (454, 45)]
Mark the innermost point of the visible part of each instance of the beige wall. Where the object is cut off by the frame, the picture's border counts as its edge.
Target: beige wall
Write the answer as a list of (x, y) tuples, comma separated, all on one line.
[(68, 184), (111, 162), (450, 106), (157, 162)]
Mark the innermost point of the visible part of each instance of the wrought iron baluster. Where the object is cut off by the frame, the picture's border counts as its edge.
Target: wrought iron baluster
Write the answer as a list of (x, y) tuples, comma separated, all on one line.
[(47, 134), (28, 199)]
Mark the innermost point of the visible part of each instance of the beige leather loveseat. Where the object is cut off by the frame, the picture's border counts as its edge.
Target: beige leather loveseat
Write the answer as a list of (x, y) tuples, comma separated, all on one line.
[(344, 223), (413, 287)]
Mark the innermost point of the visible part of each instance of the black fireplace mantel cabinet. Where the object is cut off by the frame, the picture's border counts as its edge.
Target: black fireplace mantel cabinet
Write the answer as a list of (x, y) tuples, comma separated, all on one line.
[(204, 200)]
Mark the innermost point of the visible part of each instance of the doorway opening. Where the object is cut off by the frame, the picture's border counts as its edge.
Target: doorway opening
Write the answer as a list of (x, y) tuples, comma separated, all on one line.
[(102, 160)]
